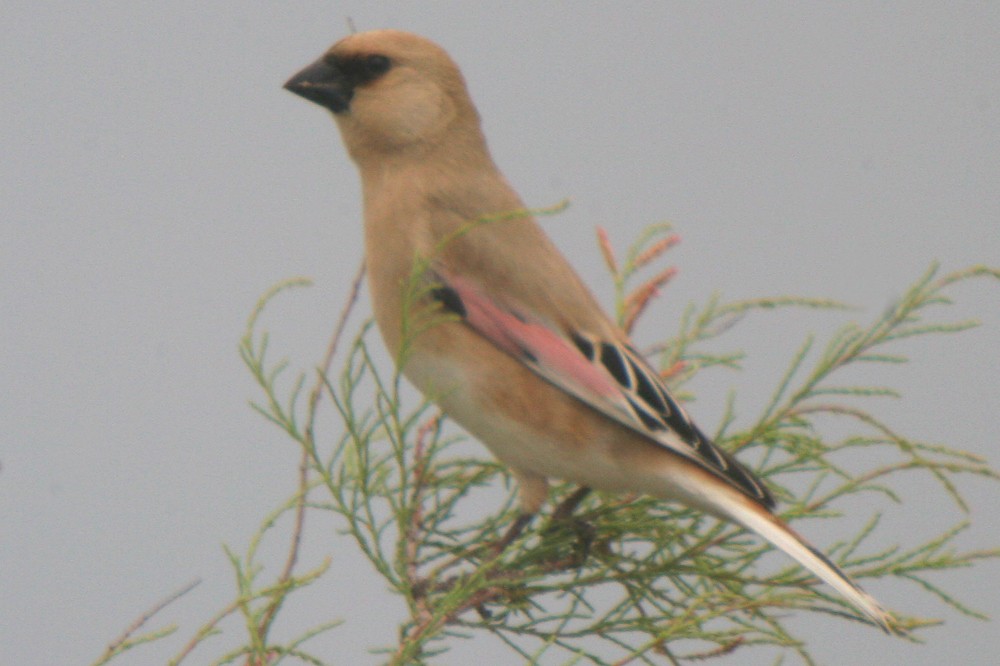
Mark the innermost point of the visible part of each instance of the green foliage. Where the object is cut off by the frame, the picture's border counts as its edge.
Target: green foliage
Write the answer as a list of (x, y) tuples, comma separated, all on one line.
[(627, 579)]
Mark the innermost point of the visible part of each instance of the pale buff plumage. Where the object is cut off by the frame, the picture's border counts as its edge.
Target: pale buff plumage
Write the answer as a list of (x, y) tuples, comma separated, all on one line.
[(408, 123)]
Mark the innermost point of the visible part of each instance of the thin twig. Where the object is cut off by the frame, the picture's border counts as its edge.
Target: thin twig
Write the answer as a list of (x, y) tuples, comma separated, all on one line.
[(352, 299), (146, 617), (309, 441), (414, 530), (206, 630)]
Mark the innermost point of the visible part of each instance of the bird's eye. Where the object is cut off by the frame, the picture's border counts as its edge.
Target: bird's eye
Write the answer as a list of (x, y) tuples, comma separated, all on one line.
[(376, 65), (359, 70)]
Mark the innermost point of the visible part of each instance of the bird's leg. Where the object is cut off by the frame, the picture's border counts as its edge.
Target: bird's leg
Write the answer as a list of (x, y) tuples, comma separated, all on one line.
[(532, 489), (512, 533), (563, 514), (568, 505)]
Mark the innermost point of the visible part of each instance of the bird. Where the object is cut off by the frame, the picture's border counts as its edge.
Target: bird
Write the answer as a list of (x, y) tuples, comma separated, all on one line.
[(510, 342)]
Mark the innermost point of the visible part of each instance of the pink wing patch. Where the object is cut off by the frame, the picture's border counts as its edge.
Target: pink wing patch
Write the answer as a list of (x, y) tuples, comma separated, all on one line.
[(609, 377), (534, 342)]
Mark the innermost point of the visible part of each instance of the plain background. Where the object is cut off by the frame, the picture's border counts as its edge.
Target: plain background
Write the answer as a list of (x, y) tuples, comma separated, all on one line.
[(156, 180)]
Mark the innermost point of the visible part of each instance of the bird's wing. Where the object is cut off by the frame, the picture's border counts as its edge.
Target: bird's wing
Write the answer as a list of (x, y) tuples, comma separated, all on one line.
[(604, 374)]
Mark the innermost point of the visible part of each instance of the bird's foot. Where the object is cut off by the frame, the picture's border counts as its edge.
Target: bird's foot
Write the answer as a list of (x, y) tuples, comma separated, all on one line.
[(562, 518), (512, 533)]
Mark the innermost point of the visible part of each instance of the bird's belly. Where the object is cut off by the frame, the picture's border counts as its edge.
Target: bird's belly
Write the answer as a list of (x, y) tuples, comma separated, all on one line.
[(533, 426)]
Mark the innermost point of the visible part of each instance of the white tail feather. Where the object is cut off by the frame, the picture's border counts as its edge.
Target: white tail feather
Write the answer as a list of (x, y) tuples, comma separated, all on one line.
[(770, 527)]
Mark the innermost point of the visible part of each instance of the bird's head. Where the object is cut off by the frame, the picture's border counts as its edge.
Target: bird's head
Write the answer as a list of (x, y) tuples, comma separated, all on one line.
[(391, 92)]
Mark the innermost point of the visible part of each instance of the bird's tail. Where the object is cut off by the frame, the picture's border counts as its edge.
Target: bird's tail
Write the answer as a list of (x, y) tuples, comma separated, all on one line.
[(785, 538)]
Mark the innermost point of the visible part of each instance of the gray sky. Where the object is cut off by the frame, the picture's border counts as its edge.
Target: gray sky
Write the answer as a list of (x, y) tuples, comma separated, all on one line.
[(156, 180)]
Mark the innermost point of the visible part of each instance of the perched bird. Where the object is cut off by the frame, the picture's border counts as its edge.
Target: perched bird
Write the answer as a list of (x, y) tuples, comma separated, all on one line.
[(526, 359)]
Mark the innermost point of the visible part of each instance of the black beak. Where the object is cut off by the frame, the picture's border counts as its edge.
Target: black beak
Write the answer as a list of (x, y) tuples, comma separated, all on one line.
[(323, 84)]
